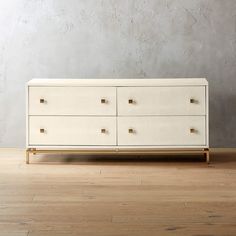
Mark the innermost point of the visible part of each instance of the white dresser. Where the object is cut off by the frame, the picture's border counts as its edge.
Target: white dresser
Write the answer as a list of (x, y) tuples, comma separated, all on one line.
[(117, 116)]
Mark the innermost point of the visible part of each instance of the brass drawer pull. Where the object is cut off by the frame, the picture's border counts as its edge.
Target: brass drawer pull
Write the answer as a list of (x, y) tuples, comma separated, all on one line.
[(42, 100), (103, 100), (131, 101), (131, 131), (192, 100), (42, 130), (103, 131), (192, 130)]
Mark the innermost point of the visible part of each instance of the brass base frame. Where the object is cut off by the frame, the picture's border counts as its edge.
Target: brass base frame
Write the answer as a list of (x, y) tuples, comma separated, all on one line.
[(204, 151)]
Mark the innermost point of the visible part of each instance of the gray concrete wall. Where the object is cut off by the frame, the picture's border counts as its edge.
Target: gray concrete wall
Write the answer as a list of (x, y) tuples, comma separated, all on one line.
[(116, 39)]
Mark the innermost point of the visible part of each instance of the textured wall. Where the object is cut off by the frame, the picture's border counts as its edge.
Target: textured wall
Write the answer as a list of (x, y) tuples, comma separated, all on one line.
[(125, 38)]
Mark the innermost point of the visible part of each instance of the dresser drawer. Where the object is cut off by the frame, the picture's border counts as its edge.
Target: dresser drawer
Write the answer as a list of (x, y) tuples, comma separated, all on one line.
[(162, 130), (72, 101), (72, 130), (134, 101)]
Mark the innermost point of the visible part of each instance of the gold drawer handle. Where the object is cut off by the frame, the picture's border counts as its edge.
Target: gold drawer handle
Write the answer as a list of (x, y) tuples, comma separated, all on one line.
[(131, 131), (192, 130), (131, 101), (192, 100), (42, 100), (42, 130), (103, 131), (103, 100)]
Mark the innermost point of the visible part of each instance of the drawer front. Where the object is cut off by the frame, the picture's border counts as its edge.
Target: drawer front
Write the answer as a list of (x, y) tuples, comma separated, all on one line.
[(161, 101), (72, 101), (162, 131), (72, 130)]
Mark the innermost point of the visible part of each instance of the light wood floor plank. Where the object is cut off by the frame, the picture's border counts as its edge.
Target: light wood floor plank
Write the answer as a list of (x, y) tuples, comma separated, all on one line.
[(70, 195)]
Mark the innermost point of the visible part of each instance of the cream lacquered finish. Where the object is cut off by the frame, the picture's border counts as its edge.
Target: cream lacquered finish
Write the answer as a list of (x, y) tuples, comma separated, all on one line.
[(99, 101), (162, 130), (119, 115), (134, 101), (72, 130)]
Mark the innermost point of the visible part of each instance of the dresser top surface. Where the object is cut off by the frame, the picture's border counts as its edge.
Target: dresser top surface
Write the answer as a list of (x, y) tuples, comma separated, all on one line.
[(119, 82)]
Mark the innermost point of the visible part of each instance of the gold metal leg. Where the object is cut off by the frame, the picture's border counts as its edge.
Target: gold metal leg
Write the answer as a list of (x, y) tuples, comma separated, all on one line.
[(207, 155), (27, 156)]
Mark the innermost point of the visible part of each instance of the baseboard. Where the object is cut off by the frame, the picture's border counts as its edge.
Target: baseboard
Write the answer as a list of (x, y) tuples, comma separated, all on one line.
[(212, 150), (223, 150)]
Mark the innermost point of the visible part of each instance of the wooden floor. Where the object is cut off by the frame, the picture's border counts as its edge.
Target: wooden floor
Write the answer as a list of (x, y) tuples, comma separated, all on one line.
[(68, 195)]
